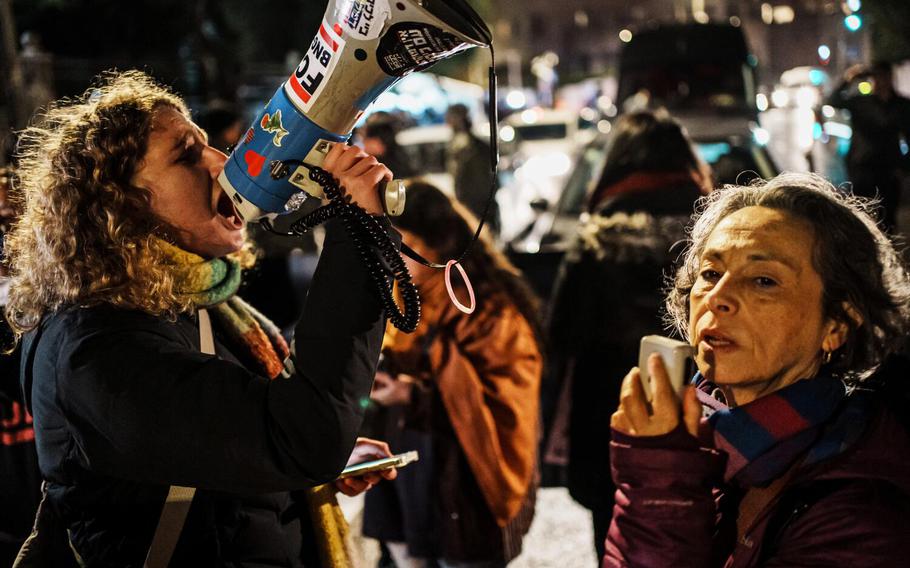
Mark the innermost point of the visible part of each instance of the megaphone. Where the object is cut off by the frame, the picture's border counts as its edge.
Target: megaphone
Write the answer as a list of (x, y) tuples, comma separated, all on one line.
[(361, 49)]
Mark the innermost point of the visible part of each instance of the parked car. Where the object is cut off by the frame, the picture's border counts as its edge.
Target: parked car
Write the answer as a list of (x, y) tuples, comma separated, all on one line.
[(691, 68), (538, 145)]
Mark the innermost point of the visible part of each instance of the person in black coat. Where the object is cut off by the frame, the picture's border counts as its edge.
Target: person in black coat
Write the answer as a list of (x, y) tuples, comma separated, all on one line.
[(609, 290), (880, 119), (125, 237)]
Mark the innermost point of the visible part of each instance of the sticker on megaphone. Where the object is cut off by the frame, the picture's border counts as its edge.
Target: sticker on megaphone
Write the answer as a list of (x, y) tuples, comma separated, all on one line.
[(363, 19)]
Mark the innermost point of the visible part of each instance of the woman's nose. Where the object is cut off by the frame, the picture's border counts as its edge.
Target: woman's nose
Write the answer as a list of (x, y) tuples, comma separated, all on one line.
[(722, 297), (214, 160)]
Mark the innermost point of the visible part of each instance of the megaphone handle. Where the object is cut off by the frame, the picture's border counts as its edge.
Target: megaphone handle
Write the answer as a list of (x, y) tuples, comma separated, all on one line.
[(392, 195)]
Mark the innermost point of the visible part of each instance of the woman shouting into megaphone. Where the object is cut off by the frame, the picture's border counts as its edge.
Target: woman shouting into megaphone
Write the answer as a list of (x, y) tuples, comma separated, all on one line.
[(146, 373)]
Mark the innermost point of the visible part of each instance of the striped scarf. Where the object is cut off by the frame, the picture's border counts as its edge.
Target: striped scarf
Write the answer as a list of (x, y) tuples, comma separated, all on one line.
[(812, 419), (213, 284), (258, 343)]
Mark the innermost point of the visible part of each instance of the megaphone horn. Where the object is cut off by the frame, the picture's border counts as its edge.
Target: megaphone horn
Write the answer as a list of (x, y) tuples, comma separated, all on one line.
[(361, 48)]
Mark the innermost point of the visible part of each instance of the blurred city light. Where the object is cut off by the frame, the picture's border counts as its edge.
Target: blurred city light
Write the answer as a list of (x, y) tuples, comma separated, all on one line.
[(611, 111), (604, 126), (530, 116), (581, 18), (780, 98), (767, 13), (553, 164), (761, 136), (817, 131), (865, 88), (805, 128), (625, 36), (588, 114), (828, 111), (735, 21), (784, 14), (712, 151), (854, 5), (806, 97), (838, 129), (761, 101), (853, 22), (701, 17), (507, 134), (824, 52), (817, 77), (516, 99)]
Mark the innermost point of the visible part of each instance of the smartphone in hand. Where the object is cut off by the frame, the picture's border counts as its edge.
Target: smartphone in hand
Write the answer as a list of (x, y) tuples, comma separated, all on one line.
[(676, 355), (396, 461)]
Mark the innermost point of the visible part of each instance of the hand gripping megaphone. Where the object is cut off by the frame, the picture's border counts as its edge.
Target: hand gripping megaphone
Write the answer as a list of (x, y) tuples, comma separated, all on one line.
[(361, 49)]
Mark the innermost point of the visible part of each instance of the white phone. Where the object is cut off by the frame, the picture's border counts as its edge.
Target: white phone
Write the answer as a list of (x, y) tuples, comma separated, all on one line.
[(677, 357)]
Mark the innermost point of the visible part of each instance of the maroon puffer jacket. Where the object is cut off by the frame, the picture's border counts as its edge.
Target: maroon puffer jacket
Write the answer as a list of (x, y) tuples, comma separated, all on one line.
[(671, 509)]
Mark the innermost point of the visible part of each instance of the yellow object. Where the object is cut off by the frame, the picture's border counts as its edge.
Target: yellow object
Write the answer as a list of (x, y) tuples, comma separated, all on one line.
[(330, 526)]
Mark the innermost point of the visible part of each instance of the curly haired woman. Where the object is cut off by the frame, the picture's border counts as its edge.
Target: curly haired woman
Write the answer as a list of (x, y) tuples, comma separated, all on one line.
[(125, 237)]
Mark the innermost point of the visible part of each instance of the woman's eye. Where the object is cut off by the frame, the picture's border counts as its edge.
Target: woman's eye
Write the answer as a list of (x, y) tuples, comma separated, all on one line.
[(765, 282), (709, 275), (190, 156)]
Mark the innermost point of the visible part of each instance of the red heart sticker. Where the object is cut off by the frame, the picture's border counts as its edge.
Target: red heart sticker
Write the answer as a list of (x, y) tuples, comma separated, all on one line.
[(254, 162)]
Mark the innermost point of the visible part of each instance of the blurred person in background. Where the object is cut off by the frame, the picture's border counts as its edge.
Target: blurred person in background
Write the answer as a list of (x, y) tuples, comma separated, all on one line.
[(784, 450), (378, 139), (125, 238), (468, 162), (880, 119), (609, 290), (20, 478), (463, 391), (222, 123)]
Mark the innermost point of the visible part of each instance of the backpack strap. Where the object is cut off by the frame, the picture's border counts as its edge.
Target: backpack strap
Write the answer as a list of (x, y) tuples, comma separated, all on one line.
[(757, 500), (793, 504), (179, 499)]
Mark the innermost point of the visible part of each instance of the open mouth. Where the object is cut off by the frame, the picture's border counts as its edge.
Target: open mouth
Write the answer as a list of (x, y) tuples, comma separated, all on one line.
[(225, 208), (716, 341)]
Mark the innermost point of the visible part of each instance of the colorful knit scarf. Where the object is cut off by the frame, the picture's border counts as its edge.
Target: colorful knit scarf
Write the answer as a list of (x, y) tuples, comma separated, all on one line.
[(213, 284), (812, 419)]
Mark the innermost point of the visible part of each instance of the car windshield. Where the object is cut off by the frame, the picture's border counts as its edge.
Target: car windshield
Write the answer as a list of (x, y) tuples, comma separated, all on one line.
[(555, 130), (689, 86), (430, 155)]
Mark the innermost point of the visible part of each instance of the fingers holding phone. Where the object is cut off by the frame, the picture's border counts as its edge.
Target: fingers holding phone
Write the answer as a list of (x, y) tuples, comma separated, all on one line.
[(366, 450), (653, 397)]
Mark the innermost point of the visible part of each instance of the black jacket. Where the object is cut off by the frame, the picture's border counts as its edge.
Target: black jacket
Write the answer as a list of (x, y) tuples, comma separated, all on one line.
[(609, 293), (126, 405)]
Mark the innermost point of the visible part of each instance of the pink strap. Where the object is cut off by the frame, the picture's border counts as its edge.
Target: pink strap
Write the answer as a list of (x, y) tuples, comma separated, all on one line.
[(467, 282)]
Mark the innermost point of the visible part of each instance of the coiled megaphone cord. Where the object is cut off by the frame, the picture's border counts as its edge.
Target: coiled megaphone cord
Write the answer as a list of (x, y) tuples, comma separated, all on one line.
[(364, 230)]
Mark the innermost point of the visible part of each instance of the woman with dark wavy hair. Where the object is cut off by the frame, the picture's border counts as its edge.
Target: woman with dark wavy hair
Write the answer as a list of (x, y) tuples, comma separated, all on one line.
[(797, 305), (463, 390), (125, 243)]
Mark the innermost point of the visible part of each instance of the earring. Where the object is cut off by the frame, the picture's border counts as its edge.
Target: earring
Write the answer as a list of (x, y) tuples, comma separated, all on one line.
[(826, 358)]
